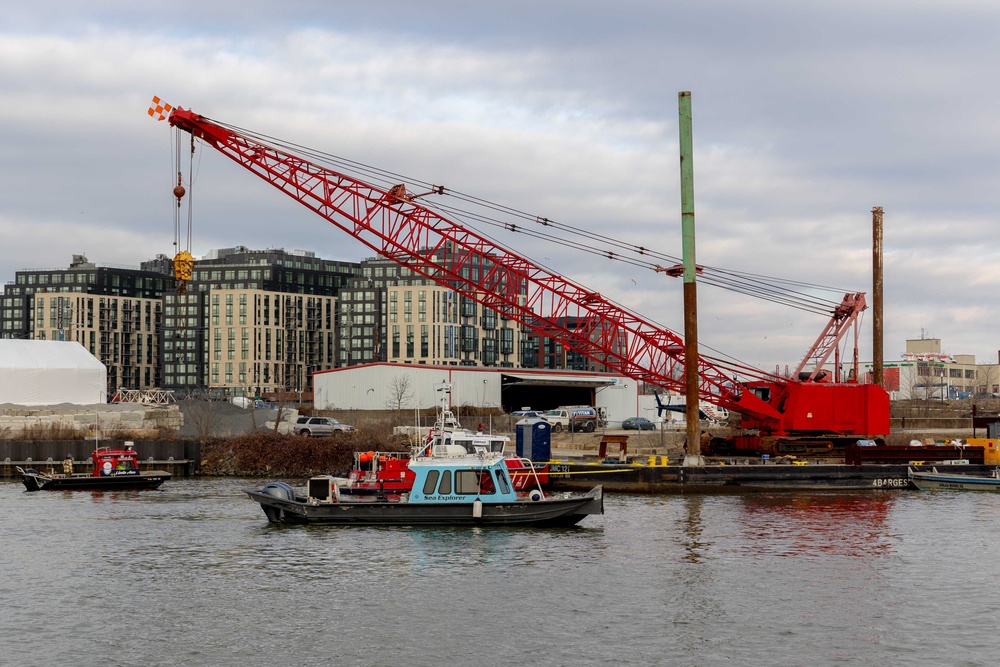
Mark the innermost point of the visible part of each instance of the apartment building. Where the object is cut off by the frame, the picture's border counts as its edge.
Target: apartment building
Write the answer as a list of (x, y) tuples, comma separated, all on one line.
[(251, 319), (393, 314), (263, 321), (114, 312)]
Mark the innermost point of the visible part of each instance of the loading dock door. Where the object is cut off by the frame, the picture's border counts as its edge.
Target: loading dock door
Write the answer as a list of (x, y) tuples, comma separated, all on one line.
[(544, 391)]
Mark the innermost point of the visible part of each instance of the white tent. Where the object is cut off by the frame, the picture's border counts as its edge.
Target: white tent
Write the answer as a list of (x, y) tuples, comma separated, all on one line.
[(48, 372)]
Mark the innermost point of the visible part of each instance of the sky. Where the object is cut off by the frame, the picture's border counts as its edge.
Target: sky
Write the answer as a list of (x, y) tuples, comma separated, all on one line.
[(806, 115)]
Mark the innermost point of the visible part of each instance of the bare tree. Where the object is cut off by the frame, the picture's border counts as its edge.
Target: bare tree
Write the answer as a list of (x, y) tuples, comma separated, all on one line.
[(284, 401), (987, 377), (204, 416), (399, 392)]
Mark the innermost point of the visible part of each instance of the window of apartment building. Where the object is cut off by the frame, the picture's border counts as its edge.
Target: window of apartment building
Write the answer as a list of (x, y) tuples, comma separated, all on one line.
[(395, 340), (409, 340), (506, 341), (470, 341), (489, 351), (424, 341)]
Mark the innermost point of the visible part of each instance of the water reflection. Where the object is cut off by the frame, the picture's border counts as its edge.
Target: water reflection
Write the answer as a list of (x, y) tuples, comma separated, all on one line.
[(817, 524), (694, 532)]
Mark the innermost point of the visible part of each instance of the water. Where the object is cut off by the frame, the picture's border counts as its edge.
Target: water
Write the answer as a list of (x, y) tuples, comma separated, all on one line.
[(193, 575)]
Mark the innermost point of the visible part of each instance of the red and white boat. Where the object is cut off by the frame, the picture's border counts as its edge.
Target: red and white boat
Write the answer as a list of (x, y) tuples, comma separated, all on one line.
[(389, 472)]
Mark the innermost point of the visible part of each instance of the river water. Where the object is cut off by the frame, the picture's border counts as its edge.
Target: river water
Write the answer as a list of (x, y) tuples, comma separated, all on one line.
[(192, 574)]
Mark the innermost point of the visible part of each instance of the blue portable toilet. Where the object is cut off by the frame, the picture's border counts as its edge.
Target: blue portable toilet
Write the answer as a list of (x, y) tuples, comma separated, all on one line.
[(533, 439)]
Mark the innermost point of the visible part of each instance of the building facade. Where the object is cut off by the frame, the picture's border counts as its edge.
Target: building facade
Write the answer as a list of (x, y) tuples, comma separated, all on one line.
[(114, 312), (122, 332), (263, 321), (924, 372), (252, 320)]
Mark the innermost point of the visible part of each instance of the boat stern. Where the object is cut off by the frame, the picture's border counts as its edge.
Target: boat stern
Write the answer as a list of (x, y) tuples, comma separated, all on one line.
[(595, 504)]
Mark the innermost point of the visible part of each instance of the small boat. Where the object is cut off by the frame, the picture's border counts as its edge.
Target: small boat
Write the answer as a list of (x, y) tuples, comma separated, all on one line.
[(113, 469), (448, 489), (940, 481)]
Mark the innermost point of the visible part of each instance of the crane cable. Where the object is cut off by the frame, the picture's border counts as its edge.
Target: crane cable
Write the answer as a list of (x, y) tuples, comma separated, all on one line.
[(183, 259), (767, 288)]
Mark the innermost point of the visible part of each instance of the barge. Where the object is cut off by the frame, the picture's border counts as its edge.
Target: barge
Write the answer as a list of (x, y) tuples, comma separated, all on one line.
[(741, 478)]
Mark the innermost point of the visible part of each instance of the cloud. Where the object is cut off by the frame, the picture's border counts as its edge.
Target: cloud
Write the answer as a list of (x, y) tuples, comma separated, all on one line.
[(804, 119)]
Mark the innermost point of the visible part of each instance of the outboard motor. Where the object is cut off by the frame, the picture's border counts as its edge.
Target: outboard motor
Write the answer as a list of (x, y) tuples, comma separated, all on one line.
[(279, 490)]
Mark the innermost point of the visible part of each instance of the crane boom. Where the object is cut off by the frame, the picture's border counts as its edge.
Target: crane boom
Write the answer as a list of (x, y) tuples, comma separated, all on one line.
[(394, 224)]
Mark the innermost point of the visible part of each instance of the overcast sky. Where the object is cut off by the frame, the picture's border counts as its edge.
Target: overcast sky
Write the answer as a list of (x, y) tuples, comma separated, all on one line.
[(806, 115)]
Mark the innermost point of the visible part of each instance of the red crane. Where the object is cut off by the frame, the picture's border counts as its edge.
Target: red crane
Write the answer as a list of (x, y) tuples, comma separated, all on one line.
[(394, 224)]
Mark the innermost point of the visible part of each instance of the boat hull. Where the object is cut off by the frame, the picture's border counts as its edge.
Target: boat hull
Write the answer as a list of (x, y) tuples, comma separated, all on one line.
[(144, 481), (935, 481), (552, 511)]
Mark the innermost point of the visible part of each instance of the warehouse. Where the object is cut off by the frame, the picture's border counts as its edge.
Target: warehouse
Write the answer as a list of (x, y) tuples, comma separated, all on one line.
[(407, 387)]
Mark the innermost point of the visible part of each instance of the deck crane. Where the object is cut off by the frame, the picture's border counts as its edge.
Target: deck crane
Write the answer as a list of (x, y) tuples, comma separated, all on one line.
[(778, 414)]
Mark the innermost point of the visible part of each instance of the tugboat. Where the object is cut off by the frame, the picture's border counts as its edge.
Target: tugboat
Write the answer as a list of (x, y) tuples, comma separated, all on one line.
[(113, 469), (389, 472), (451, 487)]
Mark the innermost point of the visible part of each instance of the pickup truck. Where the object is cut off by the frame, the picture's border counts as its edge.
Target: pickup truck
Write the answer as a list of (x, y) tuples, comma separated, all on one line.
[(572, 418), (319, 426)]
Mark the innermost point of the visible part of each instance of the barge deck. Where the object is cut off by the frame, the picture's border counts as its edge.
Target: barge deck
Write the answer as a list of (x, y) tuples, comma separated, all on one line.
[(739, 478)]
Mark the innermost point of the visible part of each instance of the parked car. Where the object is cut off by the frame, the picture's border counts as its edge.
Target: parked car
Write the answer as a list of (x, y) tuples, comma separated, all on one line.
[(527, 414), (320, 426), (638, 423)]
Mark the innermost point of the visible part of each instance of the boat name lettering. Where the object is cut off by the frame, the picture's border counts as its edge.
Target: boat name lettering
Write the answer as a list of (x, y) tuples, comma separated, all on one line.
[(555, 467), (891, 483)]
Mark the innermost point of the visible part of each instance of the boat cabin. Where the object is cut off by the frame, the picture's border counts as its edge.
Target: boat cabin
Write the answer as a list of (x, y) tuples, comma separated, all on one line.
[(112, 462), (462, 480)]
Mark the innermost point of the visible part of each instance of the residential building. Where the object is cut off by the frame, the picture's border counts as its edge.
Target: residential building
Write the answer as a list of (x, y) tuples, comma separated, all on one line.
[(114, 312), (253, 319), (393, 314)]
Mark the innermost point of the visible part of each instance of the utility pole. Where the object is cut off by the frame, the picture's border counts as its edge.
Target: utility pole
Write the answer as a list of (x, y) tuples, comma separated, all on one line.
[(877, 338), (692, 449)]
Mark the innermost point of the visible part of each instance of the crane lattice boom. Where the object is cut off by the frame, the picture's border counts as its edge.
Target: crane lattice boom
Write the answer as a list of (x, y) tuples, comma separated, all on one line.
[(394, 224)]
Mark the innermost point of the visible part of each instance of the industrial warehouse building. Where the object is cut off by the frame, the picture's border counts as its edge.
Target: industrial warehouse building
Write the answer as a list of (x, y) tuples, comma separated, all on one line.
[(384, 386)]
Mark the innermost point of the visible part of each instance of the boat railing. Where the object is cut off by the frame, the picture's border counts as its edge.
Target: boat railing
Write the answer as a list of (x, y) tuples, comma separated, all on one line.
[(532, 470)]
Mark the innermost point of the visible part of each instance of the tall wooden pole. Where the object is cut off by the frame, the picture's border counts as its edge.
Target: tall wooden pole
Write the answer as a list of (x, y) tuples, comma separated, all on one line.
[(877, 352), (692, 450)]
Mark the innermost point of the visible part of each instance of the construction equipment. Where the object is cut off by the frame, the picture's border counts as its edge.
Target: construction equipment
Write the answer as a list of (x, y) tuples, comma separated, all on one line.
[(778, 414)]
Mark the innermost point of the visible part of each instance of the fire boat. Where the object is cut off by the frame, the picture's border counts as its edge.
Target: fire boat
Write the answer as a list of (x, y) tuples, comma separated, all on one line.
[(113, 469)]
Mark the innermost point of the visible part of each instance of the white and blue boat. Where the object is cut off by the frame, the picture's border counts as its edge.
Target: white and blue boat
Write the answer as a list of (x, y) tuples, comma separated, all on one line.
[(941, 481), (453, 487)]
